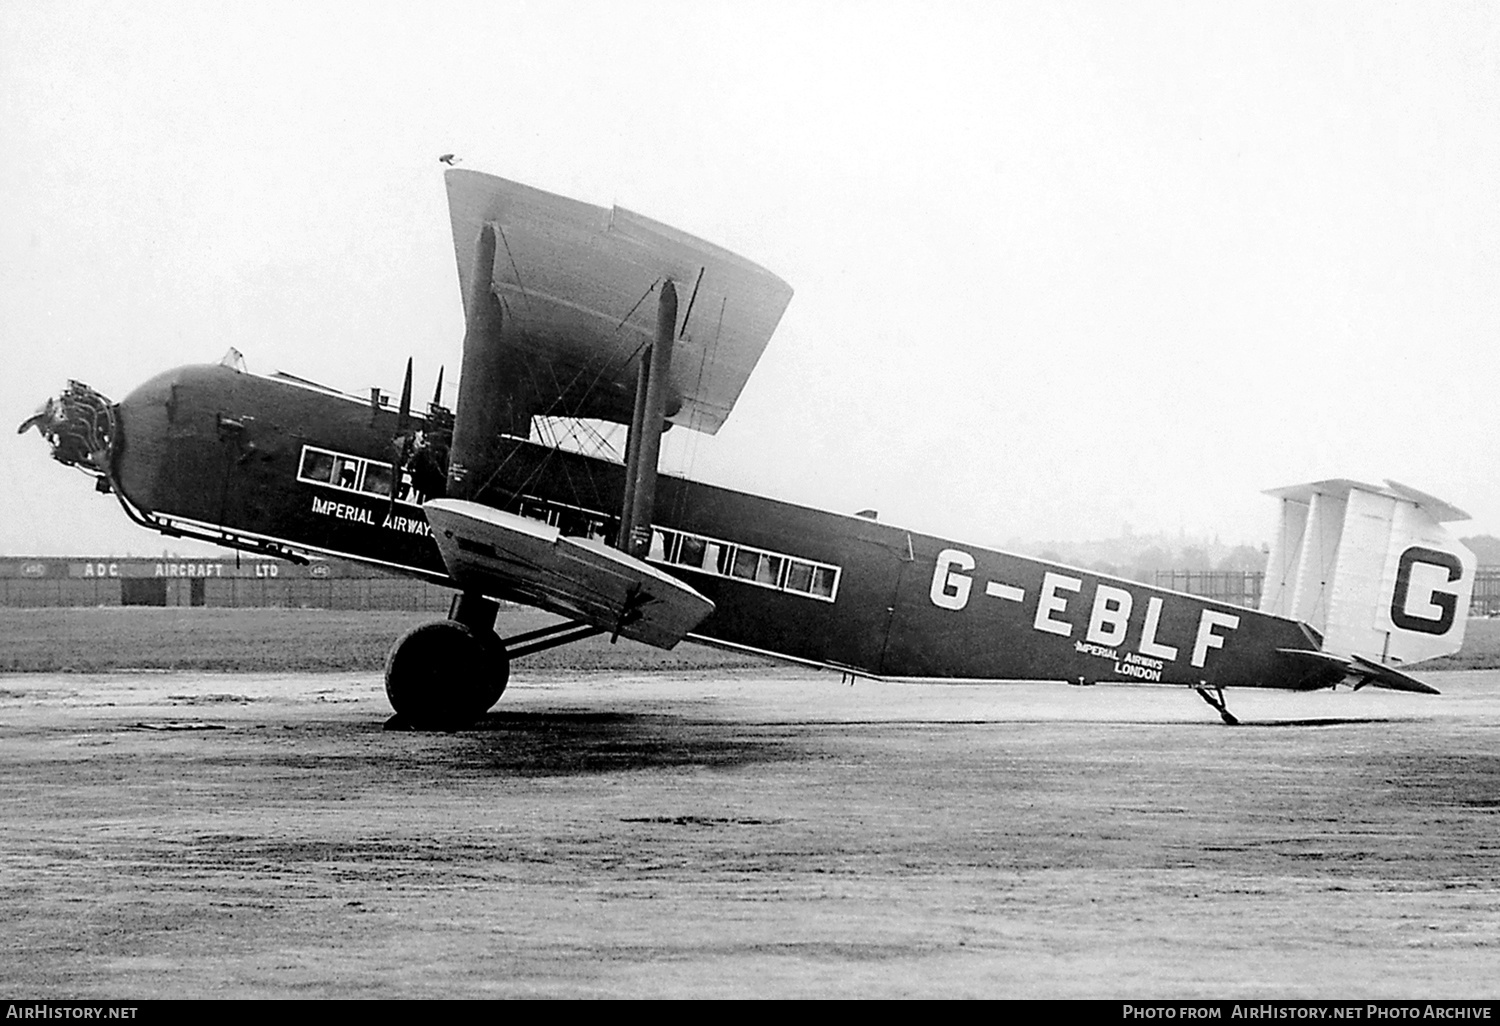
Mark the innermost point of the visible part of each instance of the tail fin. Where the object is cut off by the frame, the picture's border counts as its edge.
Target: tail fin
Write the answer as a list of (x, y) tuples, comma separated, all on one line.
[(1371, 569)]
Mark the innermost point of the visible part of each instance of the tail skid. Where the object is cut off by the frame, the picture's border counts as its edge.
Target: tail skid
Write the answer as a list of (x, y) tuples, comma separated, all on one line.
[(1372, 570)]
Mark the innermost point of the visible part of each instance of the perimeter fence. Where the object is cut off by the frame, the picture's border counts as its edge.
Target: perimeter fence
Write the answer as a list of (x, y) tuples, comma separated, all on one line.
[(226, 582), (238, 582), (1238, 587), (1243, 587)]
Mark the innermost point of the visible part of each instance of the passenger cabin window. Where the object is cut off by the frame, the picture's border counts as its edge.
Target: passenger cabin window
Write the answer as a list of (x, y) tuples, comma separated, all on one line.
[(317, 466), (743, 563), (377, 479), (768, 570), (658, 550), (702, 554), (799, 576), (570, 521), (825, 581), (346, 472), (353, 474)]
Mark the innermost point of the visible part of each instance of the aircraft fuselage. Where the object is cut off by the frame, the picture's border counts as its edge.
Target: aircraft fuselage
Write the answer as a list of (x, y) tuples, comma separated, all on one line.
[(262, 458)]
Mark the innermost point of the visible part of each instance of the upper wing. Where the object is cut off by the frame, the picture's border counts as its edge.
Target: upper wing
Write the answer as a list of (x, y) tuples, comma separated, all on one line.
[(573, 281), (507, 556)]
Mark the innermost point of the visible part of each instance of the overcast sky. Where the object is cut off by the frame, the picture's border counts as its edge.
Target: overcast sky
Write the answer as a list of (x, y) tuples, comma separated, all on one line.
[(1059, 268)]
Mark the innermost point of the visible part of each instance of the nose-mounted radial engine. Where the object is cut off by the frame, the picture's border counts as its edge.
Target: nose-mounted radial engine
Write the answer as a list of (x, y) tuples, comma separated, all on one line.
[(83, 430)]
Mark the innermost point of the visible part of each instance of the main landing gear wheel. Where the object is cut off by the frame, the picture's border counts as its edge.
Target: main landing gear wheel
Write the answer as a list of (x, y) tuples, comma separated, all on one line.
[(444, 676)]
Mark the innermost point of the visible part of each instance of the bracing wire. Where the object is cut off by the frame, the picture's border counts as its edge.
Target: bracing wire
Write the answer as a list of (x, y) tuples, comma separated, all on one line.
[(602, 368), (500, 230), (692, 449)]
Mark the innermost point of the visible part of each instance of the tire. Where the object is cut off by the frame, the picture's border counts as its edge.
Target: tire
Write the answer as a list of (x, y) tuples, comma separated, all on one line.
[(441, 676)]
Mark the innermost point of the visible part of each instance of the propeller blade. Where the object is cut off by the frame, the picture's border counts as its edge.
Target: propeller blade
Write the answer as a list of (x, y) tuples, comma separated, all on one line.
[(43, 414), (402, 441), (404, 413), (437, 394)]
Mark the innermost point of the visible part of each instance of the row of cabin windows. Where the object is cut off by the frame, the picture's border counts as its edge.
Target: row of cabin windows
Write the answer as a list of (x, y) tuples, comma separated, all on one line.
[(351, 473), (570, 521), (740, 562), (769, 569)]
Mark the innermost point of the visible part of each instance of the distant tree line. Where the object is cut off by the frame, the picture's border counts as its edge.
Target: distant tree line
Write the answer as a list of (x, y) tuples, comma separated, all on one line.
[(1486, 547), (1143, 565)]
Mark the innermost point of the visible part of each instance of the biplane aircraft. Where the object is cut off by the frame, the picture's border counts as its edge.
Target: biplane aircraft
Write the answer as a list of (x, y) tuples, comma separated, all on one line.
[(593, 314)]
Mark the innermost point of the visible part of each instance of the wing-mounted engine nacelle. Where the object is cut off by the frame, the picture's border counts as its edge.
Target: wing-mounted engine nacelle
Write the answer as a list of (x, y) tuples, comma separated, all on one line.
[(82, 428)]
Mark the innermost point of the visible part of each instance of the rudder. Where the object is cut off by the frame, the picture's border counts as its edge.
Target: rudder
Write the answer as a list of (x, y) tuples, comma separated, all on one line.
[(1372, 569)]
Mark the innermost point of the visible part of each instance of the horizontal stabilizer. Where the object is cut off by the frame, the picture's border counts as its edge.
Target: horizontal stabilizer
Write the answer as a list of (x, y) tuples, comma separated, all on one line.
[(510, 557), (1390, 677), (1362, 671)]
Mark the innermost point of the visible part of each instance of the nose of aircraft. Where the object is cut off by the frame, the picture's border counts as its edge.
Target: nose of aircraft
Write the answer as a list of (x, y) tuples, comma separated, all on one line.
[(144, 416), (121, 444), (81, 427)]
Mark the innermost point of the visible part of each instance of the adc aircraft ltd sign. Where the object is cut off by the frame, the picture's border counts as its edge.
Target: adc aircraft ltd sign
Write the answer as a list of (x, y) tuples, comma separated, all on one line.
[(172, 569)]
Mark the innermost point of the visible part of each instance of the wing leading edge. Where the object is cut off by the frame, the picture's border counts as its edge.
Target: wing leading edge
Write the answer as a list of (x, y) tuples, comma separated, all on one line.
[(496, 553)]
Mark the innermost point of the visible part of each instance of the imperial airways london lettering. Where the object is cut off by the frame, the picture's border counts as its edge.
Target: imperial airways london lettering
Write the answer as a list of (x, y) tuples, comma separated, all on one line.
[(361, 515), (1110, 609)]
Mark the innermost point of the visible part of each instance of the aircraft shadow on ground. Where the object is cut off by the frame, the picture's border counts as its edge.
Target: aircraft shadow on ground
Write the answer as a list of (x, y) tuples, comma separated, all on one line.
[(1322, 721), (1317, 721), (608, 742), (588, 742)]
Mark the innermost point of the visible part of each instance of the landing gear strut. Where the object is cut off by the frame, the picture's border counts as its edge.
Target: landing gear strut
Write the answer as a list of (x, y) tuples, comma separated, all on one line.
[(445, 675), (1217, 701)]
